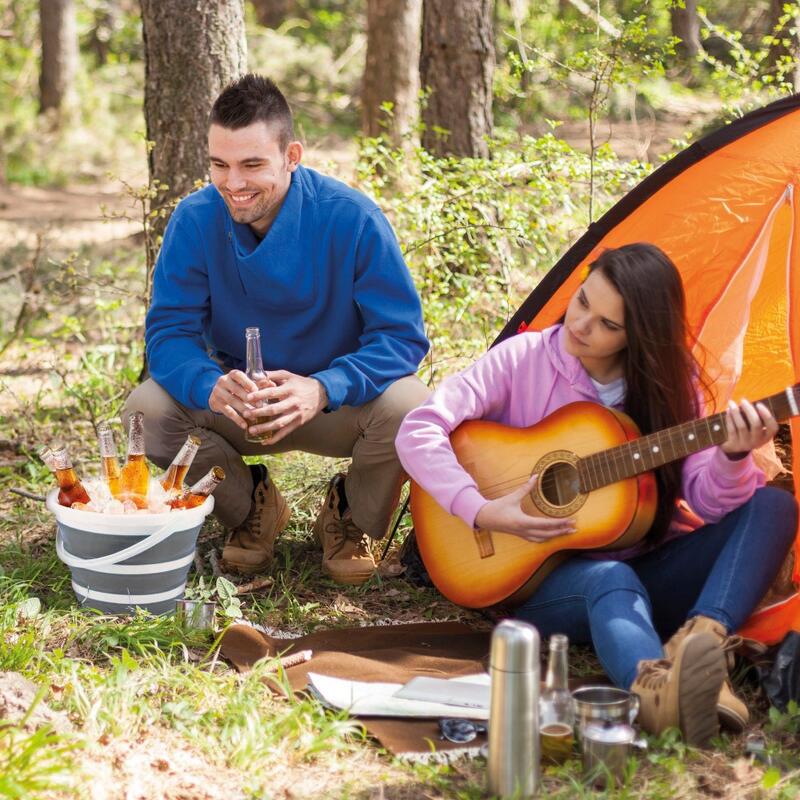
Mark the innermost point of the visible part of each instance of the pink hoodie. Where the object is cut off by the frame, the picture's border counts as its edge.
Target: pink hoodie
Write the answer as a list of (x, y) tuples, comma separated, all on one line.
[(518, 383)]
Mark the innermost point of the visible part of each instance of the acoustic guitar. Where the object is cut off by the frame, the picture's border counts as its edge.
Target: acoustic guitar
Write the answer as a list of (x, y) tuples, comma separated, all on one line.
[(592, 464)]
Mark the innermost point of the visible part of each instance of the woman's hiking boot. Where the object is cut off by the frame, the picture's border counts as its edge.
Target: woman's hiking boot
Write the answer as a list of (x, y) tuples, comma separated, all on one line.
[(250, 547), (346, 556), (732, 711), (682, 692)]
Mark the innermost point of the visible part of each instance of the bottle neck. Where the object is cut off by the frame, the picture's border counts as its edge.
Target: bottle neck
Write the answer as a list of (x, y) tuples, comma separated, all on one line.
[(206, 485), (185, 456), (557, 675), (136, 434), (254, 354), (105, 438)]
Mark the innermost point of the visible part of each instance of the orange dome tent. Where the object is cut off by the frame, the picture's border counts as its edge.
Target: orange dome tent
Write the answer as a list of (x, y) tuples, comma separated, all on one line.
[(727, 211)]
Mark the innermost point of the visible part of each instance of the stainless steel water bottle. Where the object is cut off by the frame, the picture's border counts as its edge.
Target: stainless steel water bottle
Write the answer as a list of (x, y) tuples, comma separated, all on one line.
[(513, 768)]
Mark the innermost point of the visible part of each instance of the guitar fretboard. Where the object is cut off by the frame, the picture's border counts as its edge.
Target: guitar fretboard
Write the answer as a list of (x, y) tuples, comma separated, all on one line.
[(651, 451)]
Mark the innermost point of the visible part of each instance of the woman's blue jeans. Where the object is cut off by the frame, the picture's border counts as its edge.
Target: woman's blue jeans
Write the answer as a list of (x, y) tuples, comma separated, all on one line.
[(625, 608)]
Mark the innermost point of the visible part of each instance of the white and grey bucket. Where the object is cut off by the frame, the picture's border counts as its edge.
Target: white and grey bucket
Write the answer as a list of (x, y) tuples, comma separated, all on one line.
[(120, 562)]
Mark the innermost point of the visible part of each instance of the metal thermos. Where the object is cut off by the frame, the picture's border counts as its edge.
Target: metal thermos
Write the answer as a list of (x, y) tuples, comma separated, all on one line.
[(514, 749)]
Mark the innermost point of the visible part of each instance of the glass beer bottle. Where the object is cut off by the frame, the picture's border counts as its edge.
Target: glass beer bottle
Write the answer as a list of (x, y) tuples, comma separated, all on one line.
[(135, 477), (172, 479), (197, 494), (70, 489), (556, 715), (46, 454), (109, 463), (255, 371)]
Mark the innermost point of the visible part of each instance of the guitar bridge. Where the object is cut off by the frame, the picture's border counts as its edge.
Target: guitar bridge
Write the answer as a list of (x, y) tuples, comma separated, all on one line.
[(483, 539)]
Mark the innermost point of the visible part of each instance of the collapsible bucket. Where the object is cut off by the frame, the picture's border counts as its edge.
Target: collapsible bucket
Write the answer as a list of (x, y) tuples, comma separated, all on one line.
[(120, 562)]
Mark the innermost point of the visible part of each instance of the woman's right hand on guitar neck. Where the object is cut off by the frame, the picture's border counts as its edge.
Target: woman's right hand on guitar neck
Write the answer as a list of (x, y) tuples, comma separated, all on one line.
[(505, 515)]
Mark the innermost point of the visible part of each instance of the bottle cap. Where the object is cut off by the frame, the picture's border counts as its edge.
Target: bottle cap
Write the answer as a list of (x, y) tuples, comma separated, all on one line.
[(514, 647)]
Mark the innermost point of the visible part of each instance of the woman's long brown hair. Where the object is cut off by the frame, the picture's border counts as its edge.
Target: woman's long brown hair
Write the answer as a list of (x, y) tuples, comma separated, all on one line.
[(662, 376)]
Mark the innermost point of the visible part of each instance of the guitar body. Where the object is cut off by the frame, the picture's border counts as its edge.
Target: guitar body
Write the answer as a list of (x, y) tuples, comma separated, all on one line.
[(478, 569)]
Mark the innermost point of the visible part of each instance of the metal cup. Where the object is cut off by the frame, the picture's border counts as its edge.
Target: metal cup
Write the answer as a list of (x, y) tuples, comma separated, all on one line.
[(603, 704), (196, 614), (606, 750)]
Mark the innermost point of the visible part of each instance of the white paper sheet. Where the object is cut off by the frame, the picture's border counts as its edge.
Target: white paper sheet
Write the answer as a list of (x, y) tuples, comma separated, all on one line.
[(363, 699)]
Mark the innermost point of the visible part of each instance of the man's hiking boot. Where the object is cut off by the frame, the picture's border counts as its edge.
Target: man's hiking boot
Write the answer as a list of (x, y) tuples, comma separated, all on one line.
[(682, 692), (346, 556), (733, 713), (251, 547)]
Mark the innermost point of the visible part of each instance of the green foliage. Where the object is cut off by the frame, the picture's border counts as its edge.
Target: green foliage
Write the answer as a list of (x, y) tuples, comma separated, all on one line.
[(749, 73), (221, 591), (34, 763), (477, 233), (49, 149)]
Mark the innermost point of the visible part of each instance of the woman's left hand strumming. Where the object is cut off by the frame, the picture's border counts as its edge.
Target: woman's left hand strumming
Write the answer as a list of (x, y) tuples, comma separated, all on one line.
[(749, 427)]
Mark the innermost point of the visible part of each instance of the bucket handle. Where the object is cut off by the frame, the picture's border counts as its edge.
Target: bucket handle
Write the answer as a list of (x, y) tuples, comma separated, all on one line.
[(147, 543)]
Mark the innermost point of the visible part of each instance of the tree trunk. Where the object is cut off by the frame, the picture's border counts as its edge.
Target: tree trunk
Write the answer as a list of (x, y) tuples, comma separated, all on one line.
[(59, 53), (787, 44), (391, 73), (192, 50), (456, 66), (686, 26), (273, 13)]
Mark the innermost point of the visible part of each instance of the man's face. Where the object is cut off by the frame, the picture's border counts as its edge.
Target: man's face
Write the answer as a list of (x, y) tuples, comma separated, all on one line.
[(251, 172)]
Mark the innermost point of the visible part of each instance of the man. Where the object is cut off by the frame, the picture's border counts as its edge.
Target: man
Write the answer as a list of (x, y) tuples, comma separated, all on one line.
[(316, 266)]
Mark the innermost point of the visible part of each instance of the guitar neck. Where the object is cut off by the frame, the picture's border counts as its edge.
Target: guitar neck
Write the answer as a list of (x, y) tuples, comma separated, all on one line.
[(651, 451)]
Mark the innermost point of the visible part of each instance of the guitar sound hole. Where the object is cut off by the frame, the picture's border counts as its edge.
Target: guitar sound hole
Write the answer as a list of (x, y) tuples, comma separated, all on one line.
[(559, 483)]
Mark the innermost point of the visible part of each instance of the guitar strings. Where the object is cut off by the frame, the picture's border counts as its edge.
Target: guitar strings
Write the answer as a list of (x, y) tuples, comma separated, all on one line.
[(621, 456)]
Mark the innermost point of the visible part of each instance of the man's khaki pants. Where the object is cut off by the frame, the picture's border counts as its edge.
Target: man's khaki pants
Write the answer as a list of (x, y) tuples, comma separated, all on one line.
[(364, 433)]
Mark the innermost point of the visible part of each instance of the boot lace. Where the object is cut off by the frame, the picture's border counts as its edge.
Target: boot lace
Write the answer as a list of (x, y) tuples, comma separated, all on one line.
[(344, 530), (653, 674)]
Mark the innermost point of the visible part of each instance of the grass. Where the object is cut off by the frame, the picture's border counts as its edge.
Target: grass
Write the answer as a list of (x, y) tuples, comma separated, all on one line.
[(141, 678)]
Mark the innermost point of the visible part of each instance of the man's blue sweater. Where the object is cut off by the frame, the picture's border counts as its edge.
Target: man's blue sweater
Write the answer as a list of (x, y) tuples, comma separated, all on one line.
[(327, 286)]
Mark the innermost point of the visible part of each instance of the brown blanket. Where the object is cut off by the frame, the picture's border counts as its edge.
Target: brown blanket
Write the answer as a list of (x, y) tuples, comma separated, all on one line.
[(391, 654)]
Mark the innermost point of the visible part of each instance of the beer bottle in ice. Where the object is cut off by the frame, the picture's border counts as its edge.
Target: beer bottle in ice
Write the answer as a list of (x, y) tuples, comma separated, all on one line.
[(109, 463), (135, 477), (196, 495), (172, 479), (255, 371), (46, 454), (70, 489)]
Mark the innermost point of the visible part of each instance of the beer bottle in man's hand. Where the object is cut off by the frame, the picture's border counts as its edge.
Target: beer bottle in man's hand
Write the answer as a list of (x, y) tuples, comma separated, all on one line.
[(255, 371)]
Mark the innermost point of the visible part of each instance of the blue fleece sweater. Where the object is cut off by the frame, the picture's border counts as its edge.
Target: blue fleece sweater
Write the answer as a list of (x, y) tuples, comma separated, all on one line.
[(327, 286)]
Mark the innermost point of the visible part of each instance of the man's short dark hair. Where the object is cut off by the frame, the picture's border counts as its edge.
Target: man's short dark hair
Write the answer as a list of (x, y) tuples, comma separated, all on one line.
[(253, 98)]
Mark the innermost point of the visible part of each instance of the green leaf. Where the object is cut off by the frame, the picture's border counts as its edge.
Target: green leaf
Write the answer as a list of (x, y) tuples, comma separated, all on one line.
[(771, 777), (30, 608)]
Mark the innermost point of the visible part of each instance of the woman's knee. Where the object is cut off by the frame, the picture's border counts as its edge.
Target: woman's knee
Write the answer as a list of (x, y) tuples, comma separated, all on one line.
[(613, 576), (777, 513)]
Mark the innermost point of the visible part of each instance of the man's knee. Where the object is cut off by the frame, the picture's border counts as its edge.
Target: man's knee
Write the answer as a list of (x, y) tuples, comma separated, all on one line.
[(390, 408), (153, 401), (166, 422)]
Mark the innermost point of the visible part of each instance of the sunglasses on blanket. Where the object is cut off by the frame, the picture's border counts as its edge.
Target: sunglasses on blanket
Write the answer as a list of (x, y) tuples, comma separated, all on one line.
[(460, 731)]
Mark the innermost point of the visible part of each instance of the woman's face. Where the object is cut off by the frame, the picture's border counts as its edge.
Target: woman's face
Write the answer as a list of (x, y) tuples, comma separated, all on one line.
[(595, 320)]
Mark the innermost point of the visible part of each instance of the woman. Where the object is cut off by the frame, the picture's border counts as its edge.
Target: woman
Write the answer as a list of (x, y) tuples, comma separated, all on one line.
[(623, 343)]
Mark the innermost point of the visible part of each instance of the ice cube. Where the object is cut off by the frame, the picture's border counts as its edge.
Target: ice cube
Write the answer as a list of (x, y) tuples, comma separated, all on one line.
[(98, 491), (114, 506)]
